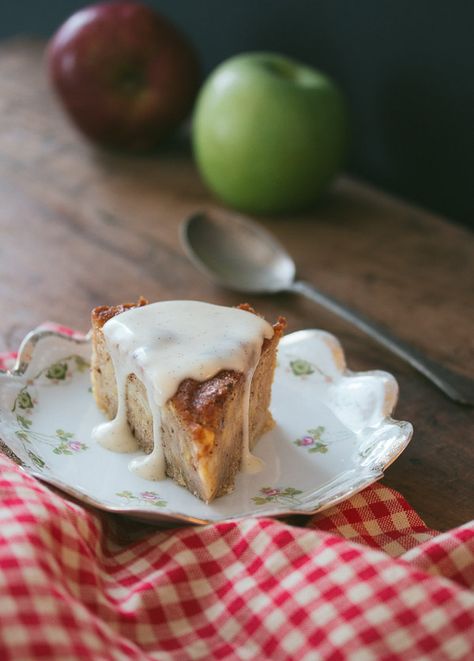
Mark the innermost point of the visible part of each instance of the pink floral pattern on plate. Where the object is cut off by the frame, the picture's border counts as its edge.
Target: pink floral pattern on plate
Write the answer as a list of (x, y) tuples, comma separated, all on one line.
[(285, 496), (150, 497), (312, 441)]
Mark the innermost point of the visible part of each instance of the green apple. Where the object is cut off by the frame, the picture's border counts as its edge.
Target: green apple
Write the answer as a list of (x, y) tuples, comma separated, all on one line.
[(269, 133)]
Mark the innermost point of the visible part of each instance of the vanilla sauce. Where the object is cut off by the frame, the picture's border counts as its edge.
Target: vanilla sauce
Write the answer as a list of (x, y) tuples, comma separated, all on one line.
[(167, 342)]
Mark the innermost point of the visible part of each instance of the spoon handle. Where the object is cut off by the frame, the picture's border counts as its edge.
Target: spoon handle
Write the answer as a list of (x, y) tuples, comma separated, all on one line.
[(456, 386)]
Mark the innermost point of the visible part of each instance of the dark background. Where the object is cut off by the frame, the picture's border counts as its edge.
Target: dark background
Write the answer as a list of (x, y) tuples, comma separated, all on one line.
[(406, 66)]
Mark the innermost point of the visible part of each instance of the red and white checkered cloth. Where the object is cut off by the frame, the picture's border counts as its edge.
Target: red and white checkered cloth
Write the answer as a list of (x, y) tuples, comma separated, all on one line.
[(364, 580)]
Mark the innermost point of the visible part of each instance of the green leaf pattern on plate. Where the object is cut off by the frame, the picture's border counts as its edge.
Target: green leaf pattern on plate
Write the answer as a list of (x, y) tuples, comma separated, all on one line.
[(57, 371), (285, 496), (150, 497), (24, 400), (312, 441), (81, 364), (301, 367), (67, 444), (36, 459), (62, 442)]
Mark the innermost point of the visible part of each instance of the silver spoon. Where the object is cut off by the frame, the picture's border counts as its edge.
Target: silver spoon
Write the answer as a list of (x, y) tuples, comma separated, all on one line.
[(241, 255)]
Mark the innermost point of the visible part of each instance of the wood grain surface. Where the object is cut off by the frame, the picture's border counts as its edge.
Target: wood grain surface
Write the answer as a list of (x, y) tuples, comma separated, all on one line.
[(79, 227)]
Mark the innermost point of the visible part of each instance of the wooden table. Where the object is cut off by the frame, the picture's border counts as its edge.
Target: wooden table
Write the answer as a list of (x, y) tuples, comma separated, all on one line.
[(79, 228)]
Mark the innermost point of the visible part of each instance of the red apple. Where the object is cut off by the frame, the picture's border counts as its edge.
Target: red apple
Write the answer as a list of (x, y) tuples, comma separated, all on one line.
[(126, 76)]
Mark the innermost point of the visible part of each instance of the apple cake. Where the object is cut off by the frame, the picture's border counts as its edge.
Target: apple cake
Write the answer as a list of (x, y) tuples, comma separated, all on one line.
[(188, 383)]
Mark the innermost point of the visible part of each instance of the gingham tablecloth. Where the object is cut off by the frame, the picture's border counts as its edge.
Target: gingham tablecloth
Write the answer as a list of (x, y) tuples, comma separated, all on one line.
[(364, 580)]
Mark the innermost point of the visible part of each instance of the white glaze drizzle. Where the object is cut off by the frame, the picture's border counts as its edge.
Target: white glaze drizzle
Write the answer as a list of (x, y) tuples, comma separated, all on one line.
[(167, 342)]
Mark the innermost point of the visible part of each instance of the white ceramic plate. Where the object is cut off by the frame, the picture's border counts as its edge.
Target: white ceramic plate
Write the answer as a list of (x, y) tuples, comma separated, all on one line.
[(333, 434)]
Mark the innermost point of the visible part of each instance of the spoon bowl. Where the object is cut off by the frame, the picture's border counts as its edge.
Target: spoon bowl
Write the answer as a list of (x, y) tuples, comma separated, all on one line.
[(239, 255)]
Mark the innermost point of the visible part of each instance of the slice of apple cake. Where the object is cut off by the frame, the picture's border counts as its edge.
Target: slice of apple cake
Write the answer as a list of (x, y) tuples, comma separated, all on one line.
[(187, 382)]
